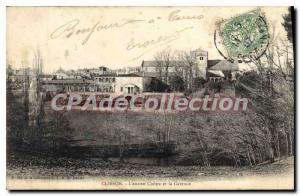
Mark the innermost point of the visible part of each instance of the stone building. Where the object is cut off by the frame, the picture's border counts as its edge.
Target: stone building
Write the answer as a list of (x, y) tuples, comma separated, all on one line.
[(160, 70), (121, 84), (221, 70)]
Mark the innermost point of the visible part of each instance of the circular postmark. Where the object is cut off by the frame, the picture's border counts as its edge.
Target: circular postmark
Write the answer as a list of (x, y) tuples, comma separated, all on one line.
[(245, 37)]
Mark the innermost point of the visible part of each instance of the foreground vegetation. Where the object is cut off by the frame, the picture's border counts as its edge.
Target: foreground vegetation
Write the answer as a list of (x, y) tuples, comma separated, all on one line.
[(32, 167)]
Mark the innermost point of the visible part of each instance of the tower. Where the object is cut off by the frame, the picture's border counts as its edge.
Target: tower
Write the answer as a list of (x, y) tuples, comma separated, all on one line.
[(201, 63)]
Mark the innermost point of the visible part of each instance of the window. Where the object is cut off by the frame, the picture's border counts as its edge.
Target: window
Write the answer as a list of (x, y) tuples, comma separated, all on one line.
[(201, 58), (121, 89)]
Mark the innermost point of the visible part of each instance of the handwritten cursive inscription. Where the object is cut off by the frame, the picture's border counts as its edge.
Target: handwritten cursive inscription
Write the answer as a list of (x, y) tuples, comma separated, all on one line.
[(174, 16), (153, 43), (70, 29)]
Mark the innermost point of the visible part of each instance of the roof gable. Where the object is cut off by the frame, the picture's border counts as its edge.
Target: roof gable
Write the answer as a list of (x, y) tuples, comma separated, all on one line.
[(211, 63), (225, 65)]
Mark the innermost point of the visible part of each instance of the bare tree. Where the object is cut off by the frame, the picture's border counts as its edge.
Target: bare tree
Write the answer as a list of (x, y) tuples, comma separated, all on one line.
[(189, 61), (274, 99), (164, 60), (35, 94)]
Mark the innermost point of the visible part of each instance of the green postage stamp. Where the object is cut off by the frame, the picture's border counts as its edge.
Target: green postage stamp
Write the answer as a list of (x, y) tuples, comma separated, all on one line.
[(245, 36)]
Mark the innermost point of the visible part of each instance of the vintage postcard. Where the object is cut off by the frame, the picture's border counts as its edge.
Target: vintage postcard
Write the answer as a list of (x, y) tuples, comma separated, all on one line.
[(150, 98)]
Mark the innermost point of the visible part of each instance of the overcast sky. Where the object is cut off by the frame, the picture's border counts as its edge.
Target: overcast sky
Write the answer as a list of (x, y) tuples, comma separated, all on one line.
[(118, 36)]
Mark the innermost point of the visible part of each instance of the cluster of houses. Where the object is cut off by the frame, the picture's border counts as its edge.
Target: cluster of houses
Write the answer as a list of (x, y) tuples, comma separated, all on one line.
[(133, 80)]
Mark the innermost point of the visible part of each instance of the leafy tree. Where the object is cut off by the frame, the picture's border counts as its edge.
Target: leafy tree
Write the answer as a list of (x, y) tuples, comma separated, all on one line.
[(157, 86), (199, 83), (16, 118), (177, 84), (288, 25)]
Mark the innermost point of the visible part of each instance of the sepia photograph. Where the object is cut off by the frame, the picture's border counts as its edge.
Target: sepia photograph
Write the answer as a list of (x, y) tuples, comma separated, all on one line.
[(150, 98)]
